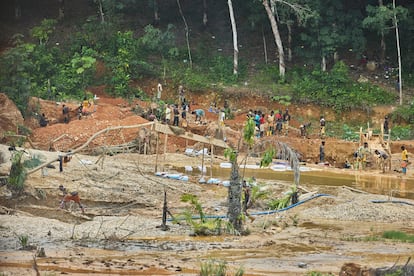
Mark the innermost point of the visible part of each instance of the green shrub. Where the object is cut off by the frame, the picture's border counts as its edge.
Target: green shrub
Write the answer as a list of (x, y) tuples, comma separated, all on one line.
[(32, 162), (402, 133), (18, 174), (213, 267), (23, 241), (349, 133), (337, 90), (202, 225), (217, 268), (398, 235), (404, 114), (283, 202)]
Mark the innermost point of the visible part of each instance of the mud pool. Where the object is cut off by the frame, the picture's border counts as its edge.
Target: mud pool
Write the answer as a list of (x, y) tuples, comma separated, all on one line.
[(393, 186)]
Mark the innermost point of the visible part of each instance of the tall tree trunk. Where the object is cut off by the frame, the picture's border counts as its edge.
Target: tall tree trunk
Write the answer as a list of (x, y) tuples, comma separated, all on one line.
[(336, 56), (187, 34), (235, 207), (156, 13), (264, 46), (205, 18), (277, 38), (61, 9), (235, 47), (17, 9), (101, 11), (289, 27), (323, 64), (397, 38), (383, 45)]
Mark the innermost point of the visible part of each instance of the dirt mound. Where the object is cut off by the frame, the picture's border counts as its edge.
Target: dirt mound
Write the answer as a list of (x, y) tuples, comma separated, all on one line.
[(10, 116), (106, 113)]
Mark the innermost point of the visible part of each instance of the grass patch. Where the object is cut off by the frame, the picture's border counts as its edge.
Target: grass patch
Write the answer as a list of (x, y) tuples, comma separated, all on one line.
[(398, 235), (218, 268)]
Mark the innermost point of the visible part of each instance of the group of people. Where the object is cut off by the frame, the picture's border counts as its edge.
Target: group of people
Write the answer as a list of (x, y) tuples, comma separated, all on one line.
[(272, 124), (172, 110), (277, 123), (362, 155)]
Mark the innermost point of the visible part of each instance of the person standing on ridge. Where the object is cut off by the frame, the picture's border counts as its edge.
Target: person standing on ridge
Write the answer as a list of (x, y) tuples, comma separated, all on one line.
[(167, 115), (286, 119), (159, 91), (386, 125), (322, 152), (322, 123), (404, 160)]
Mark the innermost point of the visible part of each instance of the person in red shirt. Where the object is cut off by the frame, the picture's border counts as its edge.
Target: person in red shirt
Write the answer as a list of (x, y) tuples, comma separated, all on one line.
[(70, 196)]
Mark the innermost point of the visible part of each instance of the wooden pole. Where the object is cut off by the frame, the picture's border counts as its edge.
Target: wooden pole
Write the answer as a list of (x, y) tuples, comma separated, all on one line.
[(202, 162), (165, 146), (211, 160), (156, 153)]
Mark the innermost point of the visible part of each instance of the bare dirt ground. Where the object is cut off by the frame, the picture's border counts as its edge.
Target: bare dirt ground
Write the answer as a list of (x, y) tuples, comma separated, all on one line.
[(118, 234)]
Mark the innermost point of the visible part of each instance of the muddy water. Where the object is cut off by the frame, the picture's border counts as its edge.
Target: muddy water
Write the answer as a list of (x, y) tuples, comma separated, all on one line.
[(377, 184)]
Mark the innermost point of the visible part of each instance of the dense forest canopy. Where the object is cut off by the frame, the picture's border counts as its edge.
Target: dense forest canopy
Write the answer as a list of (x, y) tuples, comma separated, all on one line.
[(299, 48)]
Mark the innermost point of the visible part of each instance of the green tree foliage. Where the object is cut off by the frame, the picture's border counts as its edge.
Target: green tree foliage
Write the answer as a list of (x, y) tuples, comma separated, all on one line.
[(337, 90), (379, 18), (15, 78), (248, 133), (158, 42), (84, 66), (42, 32), (331, 30)]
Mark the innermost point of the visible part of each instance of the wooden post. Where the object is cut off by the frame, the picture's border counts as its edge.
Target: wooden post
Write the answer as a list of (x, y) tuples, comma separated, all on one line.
[(165, 145), (156, 152), (202, 162), (211, 160)]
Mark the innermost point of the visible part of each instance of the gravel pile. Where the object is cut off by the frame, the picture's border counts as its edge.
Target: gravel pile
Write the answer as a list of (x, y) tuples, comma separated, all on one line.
[(350, 206)]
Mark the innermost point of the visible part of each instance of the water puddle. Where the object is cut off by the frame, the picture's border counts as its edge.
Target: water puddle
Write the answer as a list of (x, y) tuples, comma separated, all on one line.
[(377, 184)]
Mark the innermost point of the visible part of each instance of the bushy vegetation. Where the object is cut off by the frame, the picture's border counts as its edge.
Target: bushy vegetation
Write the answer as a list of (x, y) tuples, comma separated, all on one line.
[(284, 201), (65, 69), (18, 170), (18, 174), (202, 225), (404, 113), (336, 89)]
